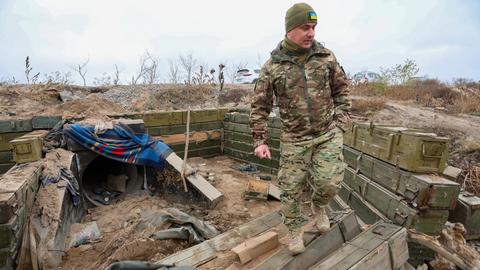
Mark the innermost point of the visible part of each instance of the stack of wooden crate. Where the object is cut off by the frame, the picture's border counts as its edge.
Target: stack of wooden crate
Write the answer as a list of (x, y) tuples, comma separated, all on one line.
[(238, 142), (395, 174)]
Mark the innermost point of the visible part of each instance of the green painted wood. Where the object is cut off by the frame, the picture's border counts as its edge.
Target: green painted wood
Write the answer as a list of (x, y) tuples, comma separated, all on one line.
[(244, 128), (18, 125), (6, 157), (467, 212), (250, 157), (425, 190), (358, 252), (178, 129), (317, 247), (243, 118), (363, 209), (246, 147), (5, 139), (392, 206), (202, 152), (45, 122), (194, 145), (247, 138), (412, 150)]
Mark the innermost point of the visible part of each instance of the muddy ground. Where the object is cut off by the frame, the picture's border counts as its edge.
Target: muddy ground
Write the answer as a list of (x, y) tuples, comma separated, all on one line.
[(121, 239)]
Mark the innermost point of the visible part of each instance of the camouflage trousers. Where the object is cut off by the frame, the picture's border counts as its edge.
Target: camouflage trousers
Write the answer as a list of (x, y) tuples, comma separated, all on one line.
[(316, 164)]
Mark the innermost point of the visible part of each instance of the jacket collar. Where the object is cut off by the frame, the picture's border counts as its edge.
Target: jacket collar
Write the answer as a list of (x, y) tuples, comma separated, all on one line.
[(279, 55)]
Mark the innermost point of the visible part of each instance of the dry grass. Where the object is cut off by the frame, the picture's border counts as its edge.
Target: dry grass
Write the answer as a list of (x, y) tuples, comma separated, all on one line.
[(429, 93), (471, 181), (369, 105)]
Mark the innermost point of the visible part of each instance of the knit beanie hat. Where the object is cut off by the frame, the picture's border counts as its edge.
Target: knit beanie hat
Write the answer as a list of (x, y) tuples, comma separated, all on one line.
[(299, 14)]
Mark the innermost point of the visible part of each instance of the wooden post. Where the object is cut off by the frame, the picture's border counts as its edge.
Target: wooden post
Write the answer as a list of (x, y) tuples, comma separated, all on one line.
[(185, 153)]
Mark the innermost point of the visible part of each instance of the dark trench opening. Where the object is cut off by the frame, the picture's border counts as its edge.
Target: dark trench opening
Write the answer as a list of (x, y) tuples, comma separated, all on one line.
[(106, 180)]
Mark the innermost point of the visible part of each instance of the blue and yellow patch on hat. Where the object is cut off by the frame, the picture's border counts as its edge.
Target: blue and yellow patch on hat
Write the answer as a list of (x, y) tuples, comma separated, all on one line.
[(312, 16)]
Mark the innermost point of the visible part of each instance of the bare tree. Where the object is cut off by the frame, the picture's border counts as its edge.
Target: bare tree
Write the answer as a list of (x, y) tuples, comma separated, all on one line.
[(148, 70), (28, 69), (116, 76), (173, 75), (81, 69), (188, 64), (151, 74)]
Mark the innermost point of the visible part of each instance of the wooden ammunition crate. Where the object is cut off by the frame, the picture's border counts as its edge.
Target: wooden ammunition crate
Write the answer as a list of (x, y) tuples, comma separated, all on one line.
[(409, 149), (423, 190), (28, 147), (382, 246), (468, 213)]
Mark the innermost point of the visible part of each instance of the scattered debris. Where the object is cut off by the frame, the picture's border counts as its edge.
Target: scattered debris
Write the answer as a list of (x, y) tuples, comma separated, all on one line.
[(83, 233)]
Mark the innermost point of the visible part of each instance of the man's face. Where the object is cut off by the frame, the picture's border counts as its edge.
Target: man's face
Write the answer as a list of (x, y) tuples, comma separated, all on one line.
[(303, 35)]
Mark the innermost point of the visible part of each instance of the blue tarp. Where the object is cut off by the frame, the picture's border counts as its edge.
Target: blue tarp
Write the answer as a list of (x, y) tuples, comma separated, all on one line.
[(121, 144)]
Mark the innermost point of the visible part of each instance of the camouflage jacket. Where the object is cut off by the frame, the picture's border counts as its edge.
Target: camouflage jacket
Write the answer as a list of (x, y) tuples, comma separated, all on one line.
[(312, 97)]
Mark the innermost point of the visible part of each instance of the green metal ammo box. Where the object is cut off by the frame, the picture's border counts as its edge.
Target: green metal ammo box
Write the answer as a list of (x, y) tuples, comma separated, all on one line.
[(393, 207), (409, 149), (468, 213), (424, 190), (382, 246), (28, 147)]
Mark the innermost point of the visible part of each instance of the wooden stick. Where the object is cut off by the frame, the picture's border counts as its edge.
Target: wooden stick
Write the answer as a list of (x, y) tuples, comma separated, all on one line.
[(185, 153), (433, 244)]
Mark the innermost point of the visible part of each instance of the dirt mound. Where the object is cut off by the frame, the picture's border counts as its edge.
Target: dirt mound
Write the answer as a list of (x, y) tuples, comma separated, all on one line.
[(93, 105)]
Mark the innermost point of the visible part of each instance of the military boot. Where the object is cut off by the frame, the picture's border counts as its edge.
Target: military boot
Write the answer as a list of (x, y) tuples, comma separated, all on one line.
[(321, 219), (295, 242)]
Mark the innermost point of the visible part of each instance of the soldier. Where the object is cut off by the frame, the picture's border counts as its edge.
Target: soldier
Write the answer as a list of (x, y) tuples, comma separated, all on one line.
[(220, 76), (310, 88)]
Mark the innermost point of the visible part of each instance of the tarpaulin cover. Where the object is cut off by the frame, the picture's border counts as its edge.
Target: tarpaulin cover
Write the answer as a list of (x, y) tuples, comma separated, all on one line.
[(121, 144)]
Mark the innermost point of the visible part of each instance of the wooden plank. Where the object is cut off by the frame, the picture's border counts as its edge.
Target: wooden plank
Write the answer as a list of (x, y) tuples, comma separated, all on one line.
[(274, 191), (18, 125), (195, 137), (204, 187), (256, 246), (356, 250), (319, 248), (201, 253), (177, 129)]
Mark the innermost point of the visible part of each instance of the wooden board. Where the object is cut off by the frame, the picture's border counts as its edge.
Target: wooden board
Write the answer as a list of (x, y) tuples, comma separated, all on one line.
[(177, 129), (204, 187), (369, 250), (315, 250), (201, 253), (195, 137)]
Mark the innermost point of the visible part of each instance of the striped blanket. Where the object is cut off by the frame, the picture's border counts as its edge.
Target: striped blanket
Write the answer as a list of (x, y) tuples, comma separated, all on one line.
[(121, 144)]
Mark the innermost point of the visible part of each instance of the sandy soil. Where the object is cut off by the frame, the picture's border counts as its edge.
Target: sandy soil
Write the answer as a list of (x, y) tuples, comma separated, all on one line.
[(117, 222)]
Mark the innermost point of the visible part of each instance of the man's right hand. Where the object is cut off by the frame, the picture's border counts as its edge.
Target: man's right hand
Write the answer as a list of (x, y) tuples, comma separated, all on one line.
[(262, 151)]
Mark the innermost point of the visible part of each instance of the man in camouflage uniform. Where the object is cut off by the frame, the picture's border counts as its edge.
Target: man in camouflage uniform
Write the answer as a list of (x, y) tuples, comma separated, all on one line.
[(310, 88)]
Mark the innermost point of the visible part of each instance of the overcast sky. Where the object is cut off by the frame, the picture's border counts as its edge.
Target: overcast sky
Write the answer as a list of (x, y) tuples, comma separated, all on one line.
[(442, 36)]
